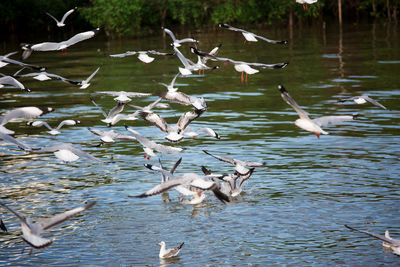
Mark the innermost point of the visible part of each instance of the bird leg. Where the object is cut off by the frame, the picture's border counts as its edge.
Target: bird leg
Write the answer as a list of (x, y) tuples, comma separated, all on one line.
[(145, 156), (246, 78), (23, 249), (242, 77), (30, 252), (144, 63), (148, 157), (317, 134), (244, 41)]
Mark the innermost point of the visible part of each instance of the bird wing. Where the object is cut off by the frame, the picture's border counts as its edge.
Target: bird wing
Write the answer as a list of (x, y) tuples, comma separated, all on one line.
[(174, 79), (182, 58), (51, 16), (11, 139), (269, 40), (47, 223), (9, 60), (24, 112), (159, 169), (91, 76), (252, 164), (102, 111), (173, 251), (155, 120), (67, 14), (170, 34), (376, 103), (378, 236), (127, 53), (179, 97), (326, 120), (11, 81), (158, 53), (82, 154), (288, 99), (165, 186), (175, 165), (80, 37), (224, 159), (229, 27), (187, 118), (152, 105), (269, 66), (19, 215)]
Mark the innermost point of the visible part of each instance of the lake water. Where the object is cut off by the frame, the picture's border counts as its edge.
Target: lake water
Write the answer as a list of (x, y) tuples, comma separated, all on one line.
[(292, 212)]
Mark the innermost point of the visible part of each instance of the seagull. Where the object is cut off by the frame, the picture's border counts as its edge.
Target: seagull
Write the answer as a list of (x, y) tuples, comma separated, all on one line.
[(305, 2), (241, 167), (85, 83), (176, 42), (189, 65), (388, 242), (175, 134), (2, 226), (362, 99), (188, 179), (149, 146), (109, 136), (168, 253), (55, 130), (67, 152), (61, 23), (143, 55), (12, 81), (24, 113), (114, 116), (207, 130), (122, 96), (249, 36), (305, 123), (241, 66), (44, 76), (4, 60), (53, 46), (31, 231)]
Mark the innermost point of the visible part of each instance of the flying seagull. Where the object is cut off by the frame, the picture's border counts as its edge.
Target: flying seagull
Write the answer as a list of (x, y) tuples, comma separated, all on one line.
[(31, 231), (177, 42), (362, 99), (52, 131), (4, 60), (109, 136), (53, 46), (67, 152), (12, 81), (143, 55), (305, 123), (168, 253), (122, 96), (249, 36), (388, 242), (61, 22)]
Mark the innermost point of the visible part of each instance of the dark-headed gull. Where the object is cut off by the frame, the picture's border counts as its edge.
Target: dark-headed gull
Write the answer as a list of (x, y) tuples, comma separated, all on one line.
[(388, 242), (241, 167), (53, 131), (170, 252), (23, 113), (362, 99), (149, 146), (305, 123), (53, 46), (61, 22), (249, 36), (122, 96), (67, 152), (109, 136), (241, 66), (143, 55), (176, 42), (31, 232), (12, 81), (208, 182)]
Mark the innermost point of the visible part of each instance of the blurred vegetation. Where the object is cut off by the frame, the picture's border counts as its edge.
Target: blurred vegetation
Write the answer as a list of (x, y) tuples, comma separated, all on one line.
[(137, 17)]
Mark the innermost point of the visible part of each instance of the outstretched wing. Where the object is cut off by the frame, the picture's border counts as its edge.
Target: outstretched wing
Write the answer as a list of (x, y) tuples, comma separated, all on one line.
[(288, 99), (326, 120)]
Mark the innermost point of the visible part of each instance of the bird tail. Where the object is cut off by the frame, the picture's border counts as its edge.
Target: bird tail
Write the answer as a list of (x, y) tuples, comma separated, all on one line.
[(181, 245)]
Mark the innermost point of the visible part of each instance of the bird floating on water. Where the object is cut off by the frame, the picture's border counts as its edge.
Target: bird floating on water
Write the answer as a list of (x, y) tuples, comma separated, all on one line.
[(168, 253)]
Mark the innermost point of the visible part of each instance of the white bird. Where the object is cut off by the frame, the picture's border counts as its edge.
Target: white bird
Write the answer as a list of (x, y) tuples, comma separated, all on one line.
[(149, 146), (305, 2), (31, 232), (207, 182), (249, 36), (23, 113), (12, 81), (67, 152), (175, 134), (122, 96), (241, 66), (189, 65), (53, 46), (109, 136), (176, 42), (168, 253), (52, 131), (388, 242), (4, 60), (194, 133), (44, 76), (114, 116), (142, 55), (305, 123), (61, 22), (362, 99), (85, 83)]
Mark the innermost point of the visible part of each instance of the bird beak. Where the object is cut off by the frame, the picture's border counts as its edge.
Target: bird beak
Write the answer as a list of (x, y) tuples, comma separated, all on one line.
[(159, 244)]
